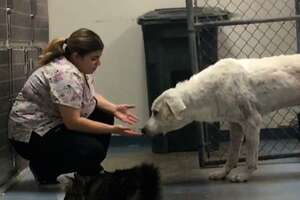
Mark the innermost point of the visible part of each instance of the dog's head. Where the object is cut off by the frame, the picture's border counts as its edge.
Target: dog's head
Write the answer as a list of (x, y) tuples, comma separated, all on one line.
[(77, 187), (136, 183), (168, 113)]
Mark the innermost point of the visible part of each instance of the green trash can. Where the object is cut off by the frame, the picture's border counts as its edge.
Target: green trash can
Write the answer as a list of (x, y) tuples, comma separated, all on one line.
[(168, 62)]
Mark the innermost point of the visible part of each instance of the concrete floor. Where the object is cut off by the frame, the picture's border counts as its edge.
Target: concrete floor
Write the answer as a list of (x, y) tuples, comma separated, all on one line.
[(183, 179)]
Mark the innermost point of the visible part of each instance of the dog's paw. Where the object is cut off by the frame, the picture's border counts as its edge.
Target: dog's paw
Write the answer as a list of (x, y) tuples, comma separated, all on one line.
[(218, 175), (239, 177), (241, 174)]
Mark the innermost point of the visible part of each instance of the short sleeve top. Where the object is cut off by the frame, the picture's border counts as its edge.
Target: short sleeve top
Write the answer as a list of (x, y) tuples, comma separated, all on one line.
[(57, 83)]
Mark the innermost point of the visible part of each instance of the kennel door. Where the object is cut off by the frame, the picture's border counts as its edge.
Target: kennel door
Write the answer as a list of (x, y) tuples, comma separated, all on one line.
[(6, 160)]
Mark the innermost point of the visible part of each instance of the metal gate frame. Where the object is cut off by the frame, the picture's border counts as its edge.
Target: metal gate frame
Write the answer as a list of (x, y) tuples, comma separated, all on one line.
[(195, 26)]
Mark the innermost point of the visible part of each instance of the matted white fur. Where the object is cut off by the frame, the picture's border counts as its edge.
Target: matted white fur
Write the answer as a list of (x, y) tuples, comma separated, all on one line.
[(239, 91)]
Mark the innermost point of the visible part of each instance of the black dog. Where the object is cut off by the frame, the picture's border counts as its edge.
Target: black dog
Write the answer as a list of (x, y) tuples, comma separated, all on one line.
[(137, 183)]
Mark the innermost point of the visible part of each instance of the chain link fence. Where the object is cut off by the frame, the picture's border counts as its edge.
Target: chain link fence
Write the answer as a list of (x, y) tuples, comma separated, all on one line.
[(253, 29)]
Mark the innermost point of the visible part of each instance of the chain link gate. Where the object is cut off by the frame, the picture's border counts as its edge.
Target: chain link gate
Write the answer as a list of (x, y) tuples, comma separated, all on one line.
[(255, 28)]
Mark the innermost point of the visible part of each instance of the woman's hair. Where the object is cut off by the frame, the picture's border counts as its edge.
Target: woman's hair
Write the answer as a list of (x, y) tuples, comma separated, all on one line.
[(82, 41)]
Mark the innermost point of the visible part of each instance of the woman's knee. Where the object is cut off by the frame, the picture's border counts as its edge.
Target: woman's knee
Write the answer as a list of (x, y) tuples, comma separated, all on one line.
[(102, 116), (109, 118), (92, 152)]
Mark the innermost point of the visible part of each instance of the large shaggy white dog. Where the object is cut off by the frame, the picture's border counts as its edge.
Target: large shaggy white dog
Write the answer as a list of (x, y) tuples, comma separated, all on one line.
[(239, 91)]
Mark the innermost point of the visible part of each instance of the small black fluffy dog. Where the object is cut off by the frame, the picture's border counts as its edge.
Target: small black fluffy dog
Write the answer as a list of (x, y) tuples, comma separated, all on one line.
[(137, 183)]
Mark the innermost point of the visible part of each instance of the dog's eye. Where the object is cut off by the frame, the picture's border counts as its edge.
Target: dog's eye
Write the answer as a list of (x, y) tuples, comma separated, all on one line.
[(155, 113)]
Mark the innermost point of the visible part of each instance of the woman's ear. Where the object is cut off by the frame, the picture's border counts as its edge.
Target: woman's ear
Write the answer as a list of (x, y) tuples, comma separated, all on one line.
[(74, 56)]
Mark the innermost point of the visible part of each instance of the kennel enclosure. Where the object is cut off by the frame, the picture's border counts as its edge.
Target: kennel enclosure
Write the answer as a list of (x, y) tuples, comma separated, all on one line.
[(23, 33), (257, 28), (215, 29)]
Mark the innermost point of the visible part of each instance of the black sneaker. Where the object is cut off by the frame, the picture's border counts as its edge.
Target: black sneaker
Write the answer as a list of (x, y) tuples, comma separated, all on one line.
[(42, 180)]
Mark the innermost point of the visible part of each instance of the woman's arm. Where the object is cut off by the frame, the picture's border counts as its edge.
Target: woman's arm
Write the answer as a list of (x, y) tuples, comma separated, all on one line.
[(73, 121), (120, 111), (105, 104)]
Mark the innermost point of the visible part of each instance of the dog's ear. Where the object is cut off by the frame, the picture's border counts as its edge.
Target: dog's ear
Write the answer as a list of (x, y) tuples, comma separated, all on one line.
[(176, 106), (156, 105)]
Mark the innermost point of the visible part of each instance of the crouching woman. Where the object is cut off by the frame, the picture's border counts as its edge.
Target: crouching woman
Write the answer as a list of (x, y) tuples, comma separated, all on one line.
[(69, 123)]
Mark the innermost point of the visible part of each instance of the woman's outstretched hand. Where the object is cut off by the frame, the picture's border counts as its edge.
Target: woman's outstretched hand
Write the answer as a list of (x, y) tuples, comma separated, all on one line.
[(123, 130), (122, 113)]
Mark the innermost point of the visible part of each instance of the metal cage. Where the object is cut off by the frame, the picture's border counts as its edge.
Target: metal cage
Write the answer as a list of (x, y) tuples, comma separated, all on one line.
[(256, 28)]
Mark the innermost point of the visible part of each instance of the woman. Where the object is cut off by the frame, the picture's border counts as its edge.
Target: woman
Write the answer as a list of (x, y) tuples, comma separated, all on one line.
[(70, 124)]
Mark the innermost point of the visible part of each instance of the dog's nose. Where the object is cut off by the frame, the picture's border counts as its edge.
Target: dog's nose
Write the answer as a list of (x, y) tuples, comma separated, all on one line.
[(143, 130)]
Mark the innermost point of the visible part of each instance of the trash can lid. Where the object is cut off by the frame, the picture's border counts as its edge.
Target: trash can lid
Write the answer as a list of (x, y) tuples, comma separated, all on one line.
[(169, 15)]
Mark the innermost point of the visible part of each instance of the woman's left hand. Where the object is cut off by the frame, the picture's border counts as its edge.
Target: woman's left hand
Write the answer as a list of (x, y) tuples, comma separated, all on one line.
[(122, 113)]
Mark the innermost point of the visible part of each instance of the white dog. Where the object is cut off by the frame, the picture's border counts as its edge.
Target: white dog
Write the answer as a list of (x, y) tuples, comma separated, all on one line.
[(239, 91)]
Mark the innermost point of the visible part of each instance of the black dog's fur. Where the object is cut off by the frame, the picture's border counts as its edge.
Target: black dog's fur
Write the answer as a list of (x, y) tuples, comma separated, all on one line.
[(137, 183)]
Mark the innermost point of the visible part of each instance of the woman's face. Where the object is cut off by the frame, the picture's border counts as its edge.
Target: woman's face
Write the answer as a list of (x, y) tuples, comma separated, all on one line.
[(88, 63)]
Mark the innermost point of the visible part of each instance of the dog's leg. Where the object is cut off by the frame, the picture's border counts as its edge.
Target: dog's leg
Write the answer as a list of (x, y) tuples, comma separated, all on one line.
[(236, 137), (251, 129)]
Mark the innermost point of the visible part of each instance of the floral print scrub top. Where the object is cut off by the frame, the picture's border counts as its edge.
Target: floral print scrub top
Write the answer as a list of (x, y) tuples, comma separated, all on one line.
[(35, 107)]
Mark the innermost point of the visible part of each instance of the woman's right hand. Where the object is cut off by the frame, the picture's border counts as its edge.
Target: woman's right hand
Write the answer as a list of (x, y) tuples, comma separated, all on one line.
[(126, 131)]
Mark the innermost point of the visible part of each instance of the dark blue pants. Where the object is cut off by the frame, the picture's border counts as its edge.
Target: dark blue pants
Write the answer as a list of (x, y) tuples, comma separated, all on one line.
[(63, 151)]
